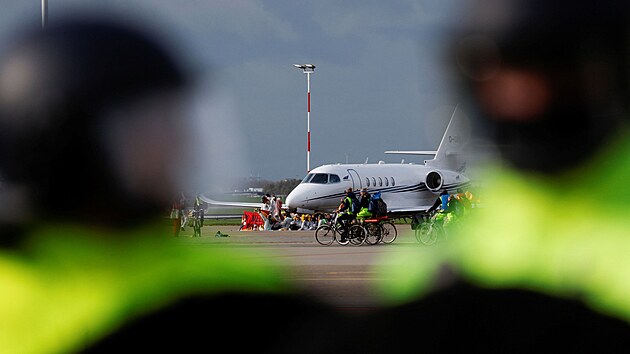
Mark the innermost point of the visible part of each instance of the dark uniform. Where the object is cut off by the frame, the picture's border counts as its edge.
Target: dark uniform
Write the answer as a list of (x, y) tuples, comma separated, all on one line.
[(88, 138), (543, 264)]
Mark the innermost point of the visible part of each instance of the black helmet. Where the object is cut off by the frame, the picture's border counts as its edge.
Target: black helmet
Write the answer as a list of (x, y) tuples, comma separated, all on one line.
[(548, 79), (58, 89)]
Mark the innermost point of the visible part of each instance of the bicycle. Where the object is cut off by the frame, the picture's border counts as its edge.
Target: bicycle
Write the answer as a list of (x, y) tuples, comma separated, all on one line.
[(389, 232), (431, 228), (325, 235), (379, 230)]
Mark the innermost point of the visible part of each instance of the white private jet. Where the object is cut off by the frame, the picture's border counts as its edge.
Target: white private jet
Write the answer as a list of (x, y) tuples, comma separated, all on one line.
[(408, 189)]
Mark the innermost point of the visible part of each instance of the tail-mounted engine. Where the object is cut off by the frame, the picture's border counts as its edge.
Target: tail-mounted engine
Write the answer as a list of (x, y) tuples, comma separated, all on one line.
[(439, 180)]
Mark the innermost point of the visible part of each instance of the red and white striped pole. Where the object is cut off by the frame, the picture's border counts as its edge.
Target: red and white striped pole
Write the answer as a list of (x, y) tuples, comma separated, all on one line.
[(308, 123), (308, 70)]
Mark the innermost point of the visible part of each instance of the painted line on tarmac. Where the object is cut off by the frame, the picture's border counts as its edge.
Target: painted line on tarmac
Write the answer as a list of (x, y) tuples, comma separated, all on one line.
[(316, 254)]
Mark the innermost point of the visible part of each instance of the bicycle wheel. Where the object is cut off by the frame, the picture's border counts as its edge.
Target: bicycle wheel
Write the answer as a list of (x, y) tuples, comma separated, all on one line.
[(356, 235), (389, 232), (325, 235), (427, 234), (374, 233)]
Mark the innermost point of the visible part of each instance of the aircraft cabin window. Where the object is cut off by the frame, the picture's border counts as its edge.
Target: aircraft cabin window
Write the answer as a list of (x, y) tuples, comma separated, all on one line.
[(386, 182), (374, 181), (367, 181), (307, 178), (333, 179), (319, 178), (393, 182), (380, 182)]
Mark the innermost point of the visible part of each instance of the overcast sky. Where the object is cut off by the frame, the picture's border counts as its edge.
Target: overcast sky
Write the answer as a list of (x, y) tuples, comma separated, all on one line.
[(380, 81)]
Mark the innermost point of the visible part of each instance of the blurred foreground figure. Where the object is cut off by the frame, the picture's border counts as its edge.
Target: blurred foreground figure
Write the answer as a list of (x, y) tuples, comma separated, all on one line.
[(91, 126), (549, 81), (546, 262)]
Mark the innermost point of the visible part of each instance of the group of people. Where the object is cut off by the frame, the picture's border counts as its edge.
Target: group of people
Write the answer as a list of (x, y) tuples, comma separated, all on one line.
[(272, 207), (449, 207), (275, 218), (181, 215), (300, 222), (459, 203), (363, 207), (351, 207)]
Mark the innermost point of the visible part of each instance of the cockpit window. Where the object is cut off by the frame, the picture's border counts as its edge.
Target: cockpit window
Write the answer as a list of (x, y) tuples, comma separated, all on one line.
[(319, 178), (307, 178)]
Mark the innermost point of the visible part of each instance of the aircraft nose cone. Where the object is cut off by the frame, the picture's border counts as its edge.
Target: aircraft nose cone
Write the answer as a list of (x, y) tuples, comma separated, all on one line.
[(295, 199), (290, 201)]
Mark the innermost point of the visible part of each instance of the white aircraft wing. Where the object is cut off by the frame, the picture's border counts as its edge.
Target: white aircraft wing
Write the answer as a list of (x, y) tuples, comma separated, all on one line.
[(230, 204), (234, 204), (414, 152)]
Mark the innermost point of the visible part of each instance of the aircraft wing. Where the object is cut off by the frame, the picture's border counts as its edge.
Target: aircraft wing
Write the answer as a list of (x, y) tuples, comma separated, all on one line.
[(230, 204), (414, 152), (234, 204)]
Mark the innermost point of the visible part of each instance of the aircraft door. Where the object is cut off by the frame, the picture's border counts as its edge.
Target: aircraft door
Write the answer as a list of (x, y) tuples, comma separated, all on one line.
[(356, 180)]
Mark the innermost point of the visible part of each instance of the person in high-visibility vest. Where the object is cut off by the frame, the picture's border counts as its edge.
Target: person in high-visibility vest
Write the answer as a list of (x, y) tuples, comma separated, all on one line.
[(90, 130), (364, 204), (544, 263), (347, 212)]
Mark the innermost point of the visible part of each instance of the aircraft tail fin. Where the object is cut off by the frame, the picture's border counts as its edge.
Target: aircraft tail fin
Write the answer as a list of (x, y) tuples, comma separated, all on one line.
[(450, 154)]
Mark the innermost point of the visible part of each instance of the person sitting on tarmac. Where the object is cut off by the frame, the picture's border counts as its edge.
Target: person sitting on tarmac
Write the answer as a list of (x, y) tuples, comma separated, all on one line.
[(364, 204), (321, 220), (346, 215), (306, 222), (286, 223), (295, 224)]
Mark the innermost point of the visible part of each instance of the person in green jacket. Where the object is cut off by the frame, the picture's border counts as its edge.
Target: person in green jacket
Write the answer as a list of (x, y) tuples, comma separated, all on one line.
[(543, 263), (91, 128), (364, 204)]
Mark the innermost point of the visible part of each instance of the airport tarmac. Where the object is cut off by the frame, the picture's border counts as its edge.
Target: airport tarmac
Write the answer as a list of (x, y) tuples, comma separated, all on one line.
[(342, 276)]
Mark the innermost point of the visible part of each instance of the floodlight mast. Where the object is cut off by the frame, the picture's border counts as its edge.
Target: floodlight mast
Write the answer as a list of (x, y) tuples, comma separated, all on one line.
[(308, 69)]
